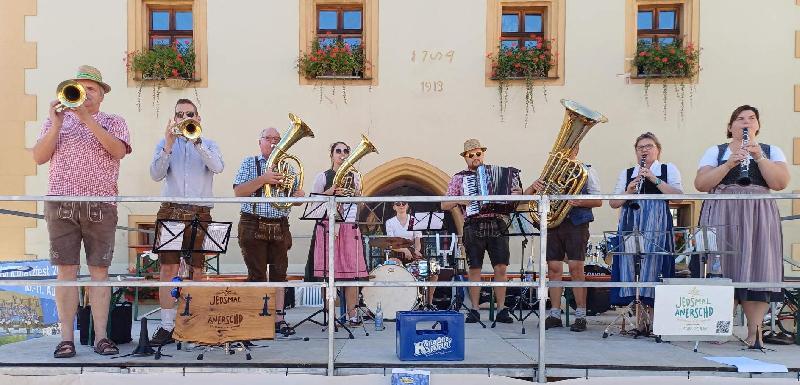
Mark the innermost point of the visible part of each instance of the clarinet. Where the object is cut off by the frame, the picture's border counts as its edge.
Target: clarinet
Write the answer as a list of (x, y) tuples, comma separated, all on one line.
[(635, 205), (744, 167)]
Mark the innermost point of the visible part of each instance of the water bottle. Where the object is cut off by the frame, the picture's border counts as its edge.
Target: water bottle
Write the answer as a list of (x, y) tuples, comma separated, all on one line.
[(716, 268), (379, 318)]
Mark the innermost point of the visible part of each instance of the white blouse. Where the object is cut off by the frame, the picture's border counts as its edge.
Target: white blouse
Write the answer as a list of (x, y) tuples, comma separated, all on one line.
[(319, 183), (673, 176), (710, 156), (396, 229)]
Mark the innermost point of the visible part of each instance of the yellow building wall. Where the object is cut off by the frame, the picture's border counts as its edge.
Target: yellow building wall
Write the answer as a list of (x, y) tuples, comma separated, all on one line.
[(253, 83)]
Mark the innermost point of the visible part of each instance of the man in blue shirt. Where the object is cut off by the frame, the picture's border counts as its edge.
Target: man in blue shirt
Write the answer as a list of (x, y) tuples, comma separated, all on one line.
[(264, 235), (187, 167)]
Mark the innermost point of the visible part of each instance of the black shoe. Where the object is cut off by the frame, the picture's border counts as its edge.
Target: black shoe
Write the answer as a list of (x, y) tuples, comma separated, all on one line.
[(283, 328), (504, 317), (473, 317), (552, 322), (161, 337), (579, 325)]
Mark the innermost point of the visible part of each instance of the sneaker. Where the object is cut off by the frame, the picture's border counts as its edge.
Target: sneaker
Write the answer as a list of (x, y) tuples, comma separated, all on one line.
[(579, 325), (504, 317), (552, 322), (283, 328), (473, 317), (161, 337)]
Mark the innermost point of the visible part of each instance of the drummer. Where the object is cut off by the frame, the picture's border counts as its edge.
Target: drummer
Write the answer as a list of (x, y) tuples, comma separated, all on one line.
[(398, 226)]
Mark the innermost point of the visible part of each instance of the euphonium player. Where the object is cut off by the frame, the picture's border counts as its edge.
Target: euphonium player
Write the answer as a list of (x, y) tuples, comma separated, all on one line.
[(187, 166), (264, 235), (349, 261)]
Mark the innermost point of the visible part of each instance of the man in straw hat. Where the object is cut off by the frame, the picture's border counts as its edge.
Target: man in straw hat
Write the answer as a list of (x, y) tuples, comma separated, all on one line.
[(483, 232), (84, 147)]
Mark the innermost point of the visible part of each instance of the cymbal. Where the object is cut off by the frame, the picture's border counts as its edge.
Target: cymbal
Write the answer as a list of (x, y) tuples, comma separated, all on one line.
[(391, 242)]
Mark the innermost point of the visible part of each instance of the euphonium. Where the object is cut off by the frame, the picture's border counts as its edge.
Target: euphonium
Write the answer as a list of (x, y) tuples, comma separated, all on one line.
[(343, 179), (70, 94), (562, 175), (279, 159), (189, 129)]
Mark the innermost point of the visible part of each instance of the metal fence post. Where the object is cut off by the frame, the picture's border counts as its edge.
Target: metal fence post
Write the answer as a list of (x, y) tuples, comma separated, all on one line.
[(542, 292), (331, 292)]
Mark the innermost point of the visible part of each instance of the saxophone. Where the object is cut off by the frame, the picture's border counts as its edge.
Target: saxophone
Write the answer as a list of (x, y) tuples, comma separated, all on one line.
[(562, 175)]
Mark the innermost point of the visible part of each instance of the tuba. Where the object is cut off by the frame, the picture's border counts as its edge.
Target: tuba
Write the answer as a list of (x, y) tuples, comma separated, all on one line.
[(562, 175), (189, 129), (343, 179), (70, 94), (279, 159)]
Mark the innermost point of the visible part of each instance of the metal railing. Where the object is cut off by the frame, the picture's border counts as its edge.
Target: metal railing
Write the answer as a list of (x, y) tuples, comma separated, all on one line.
[(331, 202)]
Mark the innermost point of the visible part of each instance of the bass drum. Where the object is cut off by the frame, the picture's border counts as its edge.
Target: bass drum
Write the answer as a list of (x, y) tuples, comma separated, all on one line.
[(598, 299), (392, 299)]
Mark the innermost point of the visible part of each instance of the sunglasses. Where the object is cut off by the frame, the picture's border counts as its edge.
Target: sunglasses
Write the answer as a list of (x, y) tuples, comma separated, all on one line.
[(474, 154), (400, 203), (342, 150), (189, 114)]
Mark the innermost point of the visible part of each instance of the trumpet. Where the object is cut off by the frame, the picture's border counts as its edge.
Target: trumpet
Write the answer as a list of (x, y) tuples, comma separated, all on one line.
[(744, 167), (635, 205), (189, 129), (70, 94)]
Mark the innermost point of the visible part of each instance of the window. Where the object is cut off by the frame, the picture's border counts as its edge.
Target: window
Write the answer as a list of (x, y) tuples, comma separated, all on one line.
[(169, 26), (340, 23), (658, 24), (511, 24), (350, 22), (521, 26), (153, 23)]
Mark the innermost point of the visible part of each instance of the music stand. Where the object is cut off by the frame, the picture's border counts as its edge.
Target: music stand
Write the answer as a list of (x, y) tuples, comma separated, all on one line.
[(318, 212), (457, 300), (170, 236), (426, 221), (635, 243), (520, 224)]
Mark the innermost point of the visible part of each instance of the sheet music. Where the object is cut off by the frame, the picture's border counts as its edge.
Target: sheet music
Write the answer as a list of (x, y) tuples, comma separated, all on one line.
[(420, 221), (316, 210), (349, 211), (631, 244), (217, 231), (168, 231)]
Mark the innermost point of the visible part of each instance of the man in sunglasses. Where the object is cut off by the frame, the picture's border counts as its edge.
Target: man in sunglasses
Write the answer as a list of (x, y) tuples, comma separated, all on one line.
[(187, 167), (483, 232)]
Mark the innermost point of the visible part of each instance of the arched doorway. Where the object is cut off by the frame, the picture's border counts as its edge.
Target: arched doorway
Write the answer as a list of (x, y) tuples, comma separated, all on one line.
[(408, 177)]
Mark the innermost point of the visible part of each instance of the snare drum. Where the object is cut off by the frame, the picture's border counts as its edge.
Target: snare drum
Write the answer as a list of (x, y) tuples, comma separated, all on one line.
[(420, 269), (392, 299)]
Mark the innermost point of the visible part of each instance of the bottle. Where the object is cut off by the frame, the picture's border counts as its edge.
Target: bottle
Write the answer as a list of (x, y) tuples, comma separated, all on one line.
[(379, 318), (716, 268)]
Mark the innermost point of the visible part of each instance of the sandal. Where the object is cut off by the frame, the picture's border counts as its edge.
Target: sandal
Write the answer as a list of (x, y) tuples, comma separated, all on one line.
[(65, 349), (105, 347)]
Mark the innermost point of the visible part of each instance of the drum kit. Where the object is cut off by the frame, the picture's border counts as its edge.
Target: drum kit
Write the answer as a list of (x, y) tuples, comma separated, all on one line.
[(394, 299)]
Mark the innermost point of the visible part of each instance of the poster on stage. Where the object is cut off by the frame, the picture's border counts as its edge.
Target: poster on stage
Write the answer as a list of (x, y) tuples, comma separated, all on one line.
[(27, 311), (693, 311)]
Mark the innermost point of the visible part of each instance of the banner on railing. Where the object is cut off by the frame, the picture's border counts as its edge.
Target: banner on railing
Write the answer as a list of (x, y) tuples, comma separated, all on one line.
[(694, 311), (27, 311)]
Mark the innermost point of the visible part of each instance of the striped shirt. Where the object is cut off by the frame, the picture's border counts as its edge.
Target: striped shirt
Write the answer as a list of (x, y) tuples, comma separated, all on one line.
[(247, 172)]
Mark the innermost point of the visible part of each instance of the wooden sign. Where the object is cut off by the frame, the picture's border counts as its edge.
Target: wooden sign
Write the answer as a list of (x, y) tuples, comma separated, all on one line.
[(216, 315)]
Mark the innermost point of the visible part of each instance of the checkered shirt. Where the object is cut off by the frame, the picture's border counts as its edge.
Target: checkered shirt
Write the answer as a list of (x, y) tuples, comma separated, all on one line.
[(247, 172), (80, 166)]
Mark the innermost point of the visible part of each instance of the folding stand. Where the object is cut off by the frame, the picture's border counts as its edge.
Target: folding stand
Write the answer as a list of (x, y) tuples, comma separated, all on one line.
[(457, 301), (635, 243), (521, 225), (426, 221), (170, 234), (318, 211)]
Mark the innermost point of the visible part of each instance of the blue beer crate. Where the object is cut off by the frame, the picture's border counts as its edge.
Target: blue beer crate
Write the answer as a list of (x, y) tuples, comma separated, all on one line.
[(417, 341)]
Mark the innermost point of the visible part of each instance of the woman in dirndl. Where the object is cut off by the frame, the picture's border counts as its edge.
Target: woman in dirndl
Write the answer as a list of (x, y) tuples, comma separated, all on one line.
[(751, 228), (349, 261), (650, 217)]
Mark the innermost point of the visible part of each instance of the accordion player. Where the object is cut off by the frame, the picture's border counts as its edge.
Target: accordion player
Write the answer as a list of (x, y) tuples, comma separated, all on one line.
[(490, 180)]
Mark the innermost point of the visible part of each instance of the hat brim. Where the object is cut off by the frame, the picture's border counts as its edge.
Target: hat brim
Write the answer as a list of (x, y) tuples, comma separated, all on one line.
[(481, 148), (106, 87)]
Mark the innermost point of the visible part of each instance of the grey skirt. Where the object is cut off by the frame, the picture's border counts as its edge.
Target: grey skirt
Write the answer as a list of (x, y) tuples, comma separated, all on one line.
[(752, 230)]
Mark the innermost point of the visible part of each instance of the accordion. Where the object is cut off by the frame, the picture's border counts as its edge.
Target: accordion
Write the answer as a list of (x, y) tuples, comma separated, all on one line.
[(490, 180)]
